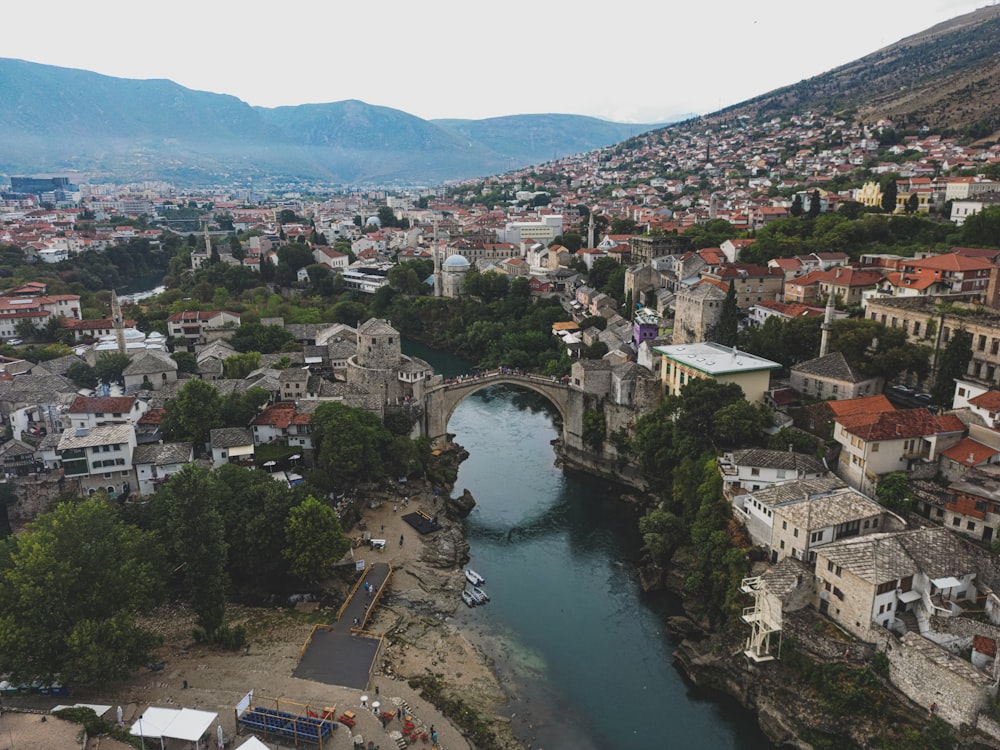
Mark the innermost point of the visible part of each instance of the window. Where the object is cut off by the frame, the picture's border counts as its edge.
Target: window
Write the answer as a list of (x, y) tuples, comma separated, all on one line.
[(795, 533), (755, 472), (838, 571), (838, 593), (956, 521), (970, 526), (784, 525), (782, 545), (874, 523), (829, 565), (874, 447)]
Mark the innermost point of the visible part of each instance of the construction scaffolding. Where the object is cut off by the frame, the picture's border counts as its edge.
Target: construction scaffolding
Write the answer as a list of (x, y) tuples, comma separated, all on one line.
[(764, 619)]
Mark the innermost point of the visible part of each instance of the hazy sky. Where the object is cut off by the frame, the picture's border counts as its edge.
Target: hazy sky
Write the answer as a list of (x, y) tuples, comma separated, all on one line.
[(626, 60)]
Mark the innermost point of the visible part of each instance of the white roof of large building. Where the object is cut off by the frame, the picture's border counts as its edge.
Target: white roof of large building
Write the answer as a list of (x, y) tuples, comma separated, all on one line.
[(715, 359)]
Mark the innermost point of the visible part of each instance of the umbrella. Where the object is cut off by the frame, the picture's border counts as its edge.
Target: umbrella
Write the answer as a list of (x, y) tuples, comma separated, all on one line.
[(375, 707), (120, 722), (295, 457), (221, 743), (270, 463), (364, 700)]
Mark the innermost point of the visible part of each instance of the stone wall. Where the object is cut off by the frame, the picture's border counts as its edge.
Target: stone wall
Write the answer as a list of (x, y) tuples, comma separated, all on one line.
[(932, 677), (36, 495)]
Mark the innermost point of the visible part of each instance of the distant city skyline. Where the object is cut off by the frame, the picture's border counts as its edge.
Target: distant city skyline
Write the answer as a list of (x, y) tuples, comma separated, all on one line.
[(629, 61)]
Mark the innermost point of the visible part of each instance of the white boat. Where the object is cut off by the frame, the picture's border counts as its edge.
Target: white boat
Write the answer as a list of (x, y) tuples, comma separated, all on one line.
[(468, 598), (473, 577), (480, 595)]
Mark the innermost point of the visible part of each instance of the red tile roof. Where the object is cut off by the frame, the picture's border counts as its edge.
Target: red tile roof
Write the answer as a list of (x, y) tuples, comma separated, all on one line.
[(989, 401), (102, 405), (969, 452), (866, 405), (900, 424)]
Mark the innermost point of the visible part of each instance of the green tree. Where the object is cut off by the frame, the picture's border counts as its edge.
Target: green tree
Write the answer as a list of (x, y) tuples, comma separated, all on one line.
[(726, 331), (186, 361), (740, 423), (662, 534), (315, 538), (983, 228), (70, 586), (8, 496), (195, 410), (254, 510), (238, 366), (796, 207), (912, 204), (82, 375), (197, 533), (594, 429), (814, 205), (349, 445), (254, 337), (894, 492), (596, 321), (953, 365), (238, 409), (110, 366), (889, 192)]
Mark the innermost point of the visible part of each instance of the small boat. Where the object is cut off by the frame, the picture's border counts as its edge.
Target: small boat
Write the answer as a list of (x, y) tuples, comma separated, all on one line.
[(468, 598), (473, 577), (481, 595)]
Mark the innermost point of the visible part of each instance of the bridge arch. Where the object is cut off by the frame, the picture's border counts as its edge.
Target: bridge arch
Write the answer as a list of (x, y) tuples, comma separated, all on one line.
[(441, 401)]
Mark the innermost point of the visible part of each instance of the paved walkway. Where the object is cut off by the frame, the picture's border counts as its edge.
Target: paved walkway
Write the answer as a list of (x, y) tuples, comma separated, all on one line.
[(342, 653)]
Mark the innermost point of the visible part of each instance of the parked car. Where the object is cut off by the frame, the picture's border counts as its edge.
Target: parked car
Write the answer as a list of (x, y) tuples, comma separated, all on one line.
[(903, 389), (15, 342), (925, 397)]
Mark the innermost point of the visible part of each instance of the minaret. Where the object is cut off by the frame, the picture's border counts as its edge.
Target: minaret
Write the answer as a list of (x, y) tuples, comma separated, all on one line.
[(437, 263), (590, 230), (208, 241), (119, 322), (824, 342)]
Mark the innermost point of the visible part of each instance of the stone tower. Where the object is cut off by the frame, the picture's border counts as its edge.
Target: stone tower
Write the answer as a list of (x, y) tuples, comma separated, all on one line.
[(827, 327), (119, 322), (378, 345)]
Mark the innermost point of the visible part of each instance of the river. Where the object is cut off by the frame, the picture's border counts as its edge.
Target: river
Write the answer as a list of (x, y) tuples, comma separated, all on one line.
[(580, 648)]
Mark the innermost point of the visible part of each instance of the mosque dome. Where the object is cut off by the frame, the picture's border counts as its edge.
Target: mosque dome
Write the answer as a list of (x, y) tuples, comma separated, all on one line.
[(374, 220), (455, 262)]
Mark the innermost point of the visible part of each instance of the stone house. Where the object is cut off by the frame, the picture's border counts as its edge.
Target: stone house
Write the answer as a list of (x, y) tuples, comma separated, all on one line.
[(833, 377), (755, 509), (233, 445), (753, 469), (924, 323), (148, 367), (99, 457), (194, 326), (868, 582), (88, 411), (156, 462), (804, 525), (873, 445)]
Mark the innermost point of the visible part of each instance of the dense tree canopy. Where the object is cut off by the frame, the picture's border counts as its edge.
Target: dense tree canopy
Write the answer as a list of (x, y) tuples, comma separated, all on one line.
[(69, 590), (316, 540)]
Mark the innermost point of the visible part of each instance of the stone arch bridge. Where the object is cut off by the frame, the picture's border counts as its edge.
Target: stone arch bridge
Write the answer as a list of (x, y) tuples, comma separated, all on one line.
[(440, 401)]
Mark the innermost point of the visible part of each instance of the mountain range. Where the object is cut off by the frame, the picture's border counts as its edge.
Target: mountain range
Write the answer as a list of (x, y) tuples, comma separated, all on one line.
[(946, 78), (54, 119)]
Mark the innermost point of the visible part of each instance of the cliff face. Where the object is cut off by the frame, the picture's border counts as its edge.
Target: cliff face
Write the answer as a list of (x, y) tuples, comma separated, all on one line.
[(823, 692)]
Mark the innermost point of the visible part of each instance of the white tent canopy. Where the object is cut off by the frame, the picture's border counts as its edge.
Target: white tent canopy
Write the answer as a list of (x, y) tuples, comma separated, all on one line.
[(183, 724), (253, 744)]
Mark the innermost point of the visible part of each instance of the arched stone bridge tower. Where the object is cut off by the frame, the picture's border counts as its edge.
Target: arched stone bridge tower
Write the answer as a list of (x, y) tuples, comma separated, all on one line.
[(440, 402)]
